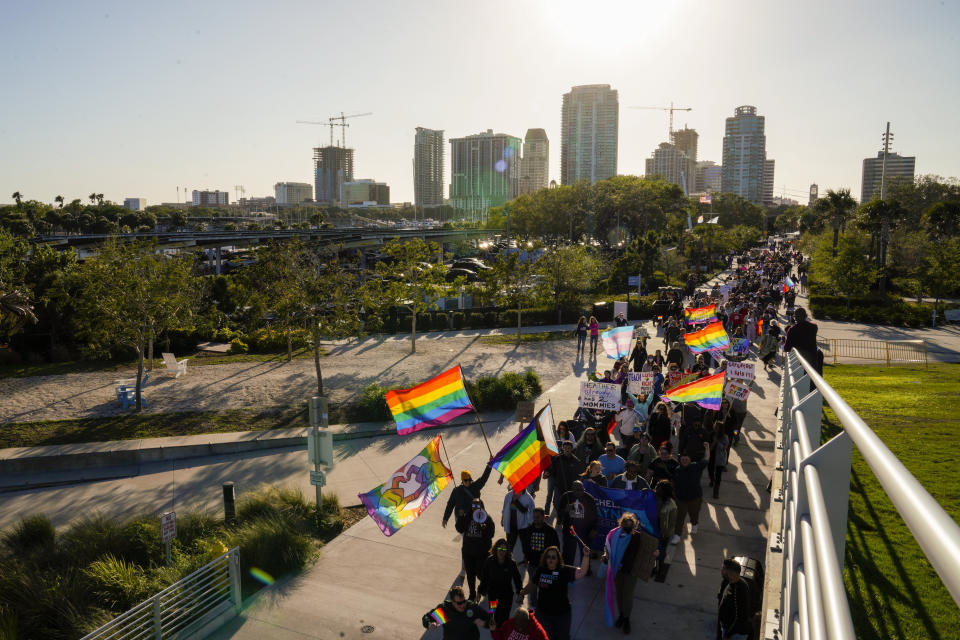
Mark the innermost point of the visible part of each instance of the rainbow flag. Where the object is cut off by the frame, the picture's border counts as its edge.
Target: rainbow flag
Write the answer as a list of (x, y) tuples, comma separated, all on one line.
[(523, 459), (439, 616), (409, 491), (616, 342), (701, 315), (492, 606), (706, 392), (711, 337), (431, 403)]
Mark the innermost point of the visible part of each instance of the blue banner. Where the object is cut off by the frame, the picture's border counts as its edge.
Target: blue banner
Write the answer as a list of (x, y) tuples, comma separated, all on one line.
[(612, 503)]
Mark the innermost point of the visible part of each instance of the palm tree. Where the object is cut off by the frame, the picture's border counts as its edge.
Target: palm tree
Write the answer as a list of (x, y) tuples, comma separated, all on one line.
[(59, 201), (836, 205), (17, 305), (100, 198), (93, 198), (17, 197)]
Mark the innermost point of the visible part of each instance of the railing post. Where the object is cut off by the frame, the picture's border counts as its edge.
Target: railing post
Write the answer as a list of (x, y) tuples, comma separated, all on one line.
[(832, 462), (157, 618), (834, 347), (233, 571), (887, 346)]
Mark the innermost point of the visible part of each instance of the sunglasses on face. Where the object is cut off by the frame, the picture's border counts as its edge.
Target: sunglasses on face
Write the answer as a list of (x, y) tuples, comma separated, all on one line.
[(501, 548), (459, 602)]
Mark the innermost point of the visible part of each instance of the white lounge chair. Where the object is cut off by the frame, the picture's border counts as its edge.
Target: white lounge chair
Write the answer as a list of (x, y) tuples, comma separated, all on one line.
[(177, 368)]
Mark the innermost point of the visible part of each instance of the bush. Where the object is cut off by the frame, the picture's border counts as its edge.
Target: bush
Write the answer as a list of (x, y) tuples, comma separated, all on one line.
[(269, 340), (117, 583), (491, 392), (271, 545), (182, 340), (31, 533), (373, 404), (238, 346), (489, 319), (508, 318), (458, 320), (275, 503), (442, 322), (405, 324), (373, 324)]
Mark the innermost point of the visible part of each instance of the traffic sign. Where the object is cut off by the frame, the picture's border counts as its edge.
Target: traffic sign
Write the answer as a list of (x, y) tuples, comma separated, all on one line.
[(318, 478), (168, 527)]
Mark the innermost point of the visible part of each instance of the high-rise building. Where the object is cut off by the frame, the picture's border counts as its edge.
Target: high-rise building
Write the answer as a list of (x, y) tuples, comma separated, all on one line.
[(290, 193), (484, 172), (686, 141), (535, 163), (709, 176), (814, 194), (768, 167), (898, 167), (669, 162), (135, 204), (744, 153), (365, 191), (588, 133), (210, 198), (428, 168), (332, 166)]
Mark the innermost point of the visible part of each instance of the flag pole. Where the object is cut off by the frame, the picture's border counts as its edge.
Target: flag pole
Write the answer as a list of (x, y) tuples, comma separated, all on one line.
[(480, 424), (444, 445)]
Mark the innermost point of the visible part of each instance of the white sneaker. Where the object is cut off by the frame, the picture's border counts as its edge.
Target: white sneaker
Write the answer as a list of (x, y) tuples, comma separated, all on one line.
[(675, 539), (693, 529)]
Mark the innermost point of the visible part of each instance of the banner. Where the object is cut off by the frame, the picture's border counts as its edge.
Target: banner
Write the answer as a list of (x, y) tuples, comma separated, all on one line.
[(612, 503), (600, 395), (673, 379), (740, 346), (409, 491), (640, 382), (736, 391), (741, 370)]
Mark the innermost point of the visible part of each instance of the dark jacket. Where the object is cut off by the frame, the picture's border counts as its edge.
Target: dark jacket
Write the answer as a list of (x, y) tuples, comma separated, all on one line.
[(620, 482), (734, 607), (564, 471), (461, 499), (661, 469), (478, 536), (803, 337), (459, 626), (534, 540), (498, 579), (686, 481), (587, 452), (659, 427), (578, 510)]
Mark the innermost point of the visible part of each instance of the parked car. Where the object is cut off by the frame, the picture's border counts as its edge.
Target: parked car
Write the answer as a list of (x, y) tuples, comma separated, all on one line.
[(455, 272)]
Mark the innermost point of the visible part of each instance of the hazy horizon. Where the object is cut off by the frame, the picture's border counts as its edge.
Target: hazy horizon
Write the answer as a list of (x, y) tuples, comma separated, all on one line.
[(137, 100)]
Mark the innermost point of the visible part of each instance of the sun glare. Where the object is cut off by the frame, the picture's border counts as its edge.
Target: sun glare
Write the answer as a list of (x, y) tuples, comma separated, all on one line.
[(606, 25)]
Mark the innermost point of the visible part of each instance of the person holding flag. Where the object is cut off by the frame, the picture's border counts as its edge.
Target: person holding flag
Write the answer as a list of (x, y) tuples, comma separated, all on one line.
[(461, 499), (629, 554), (499, 581), (460, 618)]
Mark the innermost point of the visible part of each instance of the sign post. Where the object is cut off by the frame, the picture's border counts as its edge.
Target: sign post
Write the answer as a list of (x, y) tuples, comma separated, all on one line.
[(168, 531), (319, 446)]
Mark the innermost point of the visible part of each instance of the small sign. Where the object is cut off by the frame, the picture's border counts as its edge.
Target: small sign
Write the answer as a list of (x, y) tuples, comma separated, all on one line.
[(736, 390), (952, 315), (318, 478), (633, 281), (741, 370), (673, 378), (640, 382), (168, 527), (600, 395), (525, 410)]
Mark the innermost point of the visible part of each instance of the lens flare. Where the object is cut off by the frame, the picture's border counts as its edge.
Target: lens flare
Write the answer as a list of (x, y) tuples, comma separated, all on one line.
[(500, 166), (261, 576)]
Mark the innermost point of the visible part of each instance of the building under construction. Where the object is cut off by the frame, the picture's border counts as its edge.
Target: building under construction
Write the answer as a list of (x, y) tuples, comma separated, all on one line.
[(332, 166)]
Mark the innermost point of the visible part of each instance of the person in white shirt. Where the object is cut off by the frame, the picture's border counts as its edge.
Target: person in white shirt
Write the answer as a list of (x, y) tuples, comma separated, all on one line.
[(627, 420)]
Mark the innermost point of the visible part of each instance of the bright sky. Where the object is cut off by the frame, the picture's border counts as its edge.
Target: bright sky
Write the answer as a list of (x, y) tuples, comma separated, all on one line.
[(134, 98)]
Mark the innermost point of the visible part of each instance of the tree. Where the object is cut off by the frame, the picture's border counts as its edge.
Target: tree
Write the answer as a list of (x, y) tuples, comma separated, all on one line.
[(129, 293), (17, 197), (408, 278), (836, 206), (93, 198), (566, 273), (59, 201), (941, 273), (850, 272), (15, 306), (509, 284), (943, 218), (641, 257), (276, 278)]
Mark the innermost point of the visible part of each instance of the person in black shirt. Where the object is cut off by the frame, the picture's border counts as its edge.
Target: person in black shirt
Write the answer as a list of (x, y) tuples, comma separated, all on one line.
[(551, 580), (464, 617), (476, 544), (733, 614), (534, 539), (663, 468), (462, 497), (500, 579)]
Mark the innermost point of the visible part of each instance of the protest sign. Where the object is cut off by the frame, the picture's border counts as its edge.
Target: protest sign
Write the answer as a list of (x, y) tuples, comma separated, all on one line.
[(736, 390), (640, 382), (673, 378), (600, 395), (741, 370), (612, 503)]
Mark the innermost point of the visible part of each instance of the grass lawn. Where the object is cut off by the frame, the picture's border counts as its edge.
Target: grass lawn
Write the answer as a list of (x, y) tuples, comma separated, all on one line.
[(893, 590), (198, 359), (511, 338), (149, 425)]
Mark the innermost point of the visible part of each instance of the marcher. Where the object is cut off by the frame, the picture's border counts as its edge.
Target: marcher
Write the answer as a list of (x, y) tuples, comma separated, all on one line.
[(664, 467), (689, 492), (564, 469), (642, 453), (464, 617), (476, 544), (551, 581), (594, 474), (588, 448), (612, 464), (627, 420), (522, 626), (719, 453), (500, 580), (630, 479), (517, 515), (667, 519), (629, 554), (461, 498), (733, 610), (803, 337), (581, 332), (594, 335), (577, 509)]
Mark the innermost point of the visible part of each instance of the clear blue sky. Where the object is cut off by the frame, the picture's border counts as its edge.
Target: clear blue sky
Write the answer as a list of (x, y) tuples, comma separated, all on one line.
[(135, 98)]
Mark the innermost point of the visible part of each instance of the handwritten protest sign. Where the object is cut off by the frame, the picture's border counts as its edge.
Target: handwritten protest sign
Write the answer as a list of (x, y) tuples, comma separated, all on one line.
[(600, 395), (736, 390), (673, 378), (741, 370), (640, 382)]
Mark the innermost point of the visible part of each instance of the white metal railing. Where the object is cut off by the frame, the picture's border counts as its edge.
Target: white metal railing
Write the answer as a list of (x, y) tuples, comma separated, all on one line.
[(187, 608), (815, 496), (889, 351)]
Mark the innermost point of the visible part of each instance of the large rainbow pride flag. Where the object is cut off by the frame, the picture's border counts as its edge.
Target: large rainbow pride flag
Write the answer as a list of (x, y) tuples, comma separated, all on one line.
[(701, 315), (409, 491), (706, 392), (711, 337), (431, 403), (523, 459), (616, 342)]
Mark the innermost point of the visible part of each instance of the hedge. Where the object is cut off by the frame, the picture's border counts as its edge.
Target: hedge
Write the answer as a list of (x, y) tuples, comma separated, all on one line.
[(874, 309)]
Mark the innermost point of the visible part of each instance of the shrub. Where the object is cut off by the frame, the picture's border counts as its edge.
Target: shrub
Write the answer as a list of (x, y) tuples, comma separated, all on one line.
[(31, 533), (442, 322), (271, 545), (458, 320), (238, 346), (275, 503), (118, 583), (508, 318), (92, 537), (373, 404), (424, 322), (183, 340), (476, 321), (491, 392), (268, 340), (490, 319), (405, 324), (374, 324)]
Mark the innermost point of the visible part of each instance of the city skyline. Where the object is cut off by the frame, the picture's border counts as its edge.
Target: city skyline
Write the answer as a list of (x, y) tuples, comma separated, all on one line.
[(180, 104)]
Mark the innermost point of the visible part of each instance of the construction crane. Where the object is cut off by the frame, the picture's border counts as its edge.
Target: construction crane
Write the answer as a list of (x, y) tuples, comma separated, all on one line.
[(343, 124), (326, 124), (671, 109)]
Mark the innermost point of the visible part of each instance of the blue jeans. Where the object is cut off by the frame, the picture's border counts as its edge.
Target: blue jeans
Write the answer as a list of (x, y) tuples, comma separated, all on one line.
[(557, 627), (581, 342), (593, 346)]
